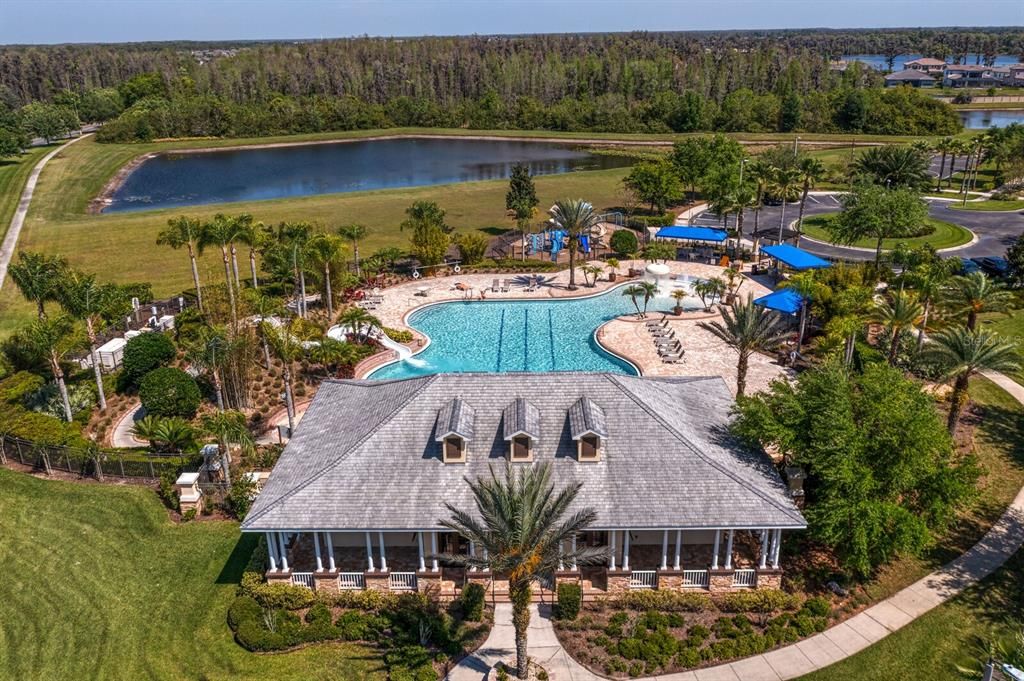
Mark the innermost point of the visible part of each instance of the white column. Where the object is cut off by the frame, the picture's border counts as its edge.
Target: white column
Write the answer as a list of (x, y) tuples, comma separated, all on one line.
[(472, 553), (714, 557), (778, 545), (330, 552), (625, 549), (383, 558), (679, 541), (728, 551), (419, 541), (664, 550), (270, 551), (284, 551), (574, 566), (561, 552), (611, 559), (487, 557), (764, 549), (316, 547), (369, 553), (433, 550)]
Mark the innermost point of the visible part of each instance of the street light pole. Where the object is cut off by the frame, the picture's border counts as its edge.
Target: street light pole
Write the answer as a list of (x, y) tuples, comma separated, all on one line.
[(743, 162), (796, 145)]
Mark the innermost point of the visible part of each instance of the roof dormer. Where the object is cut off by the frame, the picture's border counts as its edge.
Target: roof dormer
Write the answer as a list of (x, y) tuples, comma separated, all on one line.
[(588, 428), (521, 427), (454, 430)]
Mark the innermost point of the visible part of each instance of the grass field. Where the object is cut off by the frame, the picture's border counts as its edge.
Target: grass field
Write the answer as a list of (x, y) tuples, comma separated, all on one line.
[(990, 205), (13, 175), (101, 585), (1012, 327), (946, 234)]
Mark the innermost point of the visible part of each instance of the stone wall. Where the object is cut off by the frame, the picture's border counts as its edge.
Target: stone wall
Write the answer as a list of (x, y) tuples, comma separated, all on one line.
[(279, 576), (377, 581), (670, 580), (769, 578), (618, 582), (325, 581), (720, 580)]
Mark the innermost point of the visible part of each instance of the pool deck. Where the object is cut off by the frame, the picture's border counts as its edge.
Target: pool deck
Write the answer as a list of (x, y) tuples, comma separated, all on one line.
[(625, 336)]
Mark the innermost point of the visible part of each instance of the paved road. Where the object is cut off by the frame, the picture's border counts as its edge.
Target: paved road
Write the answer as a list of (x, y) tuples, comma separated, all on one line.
[(996, 231)]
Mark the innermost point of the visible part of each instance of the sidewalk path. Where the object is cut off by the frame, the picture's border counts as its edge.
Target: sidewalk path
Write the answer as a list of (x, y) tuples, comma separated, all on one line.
[(11, 240), (122, 435), (811, 654)]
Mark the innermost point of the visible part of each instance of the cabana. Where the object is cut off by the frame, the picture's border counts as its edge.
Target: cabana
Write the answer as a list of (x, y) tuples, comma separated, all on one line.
[(785, 300), (795, 258), (692, 233)]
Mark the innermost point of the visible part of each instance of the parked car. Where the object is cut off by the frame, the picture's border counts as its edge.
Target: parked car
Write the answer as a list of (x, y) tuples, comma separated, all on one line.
[(968, 266), (993, 266)]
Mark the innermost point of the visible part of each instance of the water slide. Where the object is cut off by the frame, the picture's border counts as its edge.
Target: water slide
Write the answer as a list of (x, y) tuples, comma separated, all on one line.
[(340, 332)]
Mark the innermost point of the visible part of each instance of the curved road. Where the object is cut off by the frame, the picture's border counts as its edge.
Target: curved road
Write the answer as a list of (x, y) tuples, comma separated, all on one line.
[(996, 231)]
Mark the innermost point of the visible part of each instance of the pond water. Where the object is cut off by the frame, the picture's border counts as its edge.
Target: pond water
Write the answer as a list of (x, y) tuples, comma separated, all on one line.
[(501, 336), (172, 180), (983, 119)]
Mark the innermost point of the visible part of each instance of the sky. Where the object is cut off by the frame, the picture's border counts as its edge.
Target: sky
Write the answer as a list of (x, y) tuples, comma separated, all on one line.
[(59, 21)]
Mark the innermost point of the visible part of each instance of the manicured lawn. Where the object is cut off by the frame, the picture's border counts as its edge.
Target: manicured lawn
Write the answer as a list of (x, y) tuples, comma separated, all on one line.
[(99, 584), (1012, 327), (13, 174), (990, 205), (946, 234)]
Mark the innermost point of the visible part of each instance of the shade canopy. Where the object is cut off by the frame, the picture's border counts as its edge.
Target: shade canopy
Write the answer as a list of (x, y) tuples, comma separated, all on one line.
[(784, 300), (692, 233), (797, 258)]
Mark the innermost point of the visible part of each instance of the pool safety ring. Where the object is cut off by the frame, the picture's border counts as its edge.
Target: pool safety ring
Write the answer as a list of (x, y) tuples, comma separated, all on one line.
[(415, 274), (456, 269)]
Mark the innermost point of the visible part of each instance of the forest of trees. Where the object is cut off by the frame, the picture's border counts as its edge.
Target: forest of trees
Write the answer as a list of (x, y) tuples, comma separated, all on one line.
[(636, 82)]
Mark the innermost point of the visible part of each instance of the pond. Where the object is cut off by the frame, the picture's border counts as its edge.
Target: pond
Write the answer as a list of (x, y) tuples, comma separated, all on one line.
[(502, 336), (188, 179), (983, 119)]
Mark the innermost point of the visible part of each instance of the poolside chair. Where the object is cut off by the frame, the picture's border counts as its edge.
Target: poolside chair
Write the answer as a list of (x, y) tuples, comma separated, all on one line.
[(494, 286), (673, 359), (662, 332), (664, 340), (663, 322), (670, 349), (505, 286)]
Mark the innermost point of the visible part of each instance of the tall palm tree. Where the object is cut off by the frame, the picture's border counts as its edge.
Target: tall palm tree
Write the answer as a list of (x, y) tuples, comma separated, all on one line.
[(354, 233), (634, 292), (965, 352), (228, 428), (970, 295), (811, 172), (96, 305), (295, 237), (899, 314), (255, 236), (188, 232), (927, 281), (894, 166), (944, 145), (288, 348), (360, 321), (849, 308), (576, 218), (325, 249), (38, 277), (331, 354), (761, 172), (747, 327), (263, 307), (784, 183), (525, 527), (222, 232), (648, 289), (807, 286), (209, 351), (54, 338)]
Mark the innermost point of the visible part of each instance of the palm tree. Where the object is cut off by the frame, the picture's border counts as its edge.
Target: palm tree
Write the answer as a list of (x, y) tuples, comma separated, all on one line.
[(53, 338), (524, 527), (95, 304), (707, 290), (222, 232), (848, 310), (894, 166), (928, 282), (899, 314), (747, 328), (762, 173), (576, 218), (288, 348), (38, 276), (255, 236), (944, 145), (209, 351), (591, 271), (187, 232), (295, 236), (965, 352), (228, 427), (807, 286), (331, 354), (354, 233), (649, 290), (171, 435), (634, 291), (811, 172), (784, 183), (325, 249), (360, 321), (263, 307), (973, 294)]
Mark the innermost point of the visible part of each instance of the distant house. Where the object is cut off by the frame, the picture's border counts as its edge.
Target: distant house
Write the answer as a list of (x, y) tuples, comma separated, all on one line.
[(925, 64), (970, 75), (911, 77), (356, 499), (1016, 75)]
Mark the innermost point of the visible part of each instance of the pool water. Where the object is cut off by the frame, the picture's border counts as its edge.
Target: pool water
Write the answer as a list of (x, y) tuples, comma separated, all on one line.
[(527, 335)]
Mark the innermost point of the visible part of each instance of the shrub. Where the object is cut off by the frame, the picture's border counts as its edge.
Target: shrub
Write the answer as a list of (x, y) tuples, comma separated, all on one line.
[(629, 648), (613, 665), (358, 626), (318, 614), (654, 620), (665, 601), (676, 620), (570, 596), (636, 669), (624, 242), (241, 495), (253, 635), (613, 630), (16, 387), (169, 392), (723, 650), (243, 608), (819, 606), (471, 601), (283, 596), (697, 634), (146, 352), (365, 600), (398, 335), (760, 601), (688, 657)]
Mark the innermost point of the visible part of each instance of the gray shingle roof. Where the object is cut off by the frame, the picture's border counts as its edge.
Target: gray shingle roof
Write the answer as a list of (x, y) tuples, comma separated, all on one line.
[(521, 418), (908, 75), (363, 456), (455, 418), (585, 416)]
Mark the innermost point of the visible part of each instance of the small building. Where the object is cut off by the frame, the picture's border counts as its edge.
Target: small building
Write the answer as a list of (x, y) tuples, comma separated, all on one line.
[(111, 353), (911, 77), (356, 499), (969, 75), (925, 65)]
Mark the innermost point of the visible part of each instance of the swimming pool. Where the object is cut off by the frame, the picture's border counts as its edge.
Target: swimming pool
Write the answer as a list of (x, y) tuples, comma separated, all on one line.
[(500, 336)]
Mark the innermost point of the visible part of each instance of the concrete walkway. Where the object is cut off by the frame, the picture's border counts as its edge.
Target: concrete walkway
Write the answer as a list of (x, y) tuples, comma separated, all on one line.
[(14, 231), (811, 654), (122, 433)]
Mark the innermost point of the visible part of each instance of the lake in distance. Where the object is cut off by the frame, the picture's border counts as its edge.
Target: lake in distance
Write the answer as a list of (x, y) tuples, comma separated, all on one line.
[(177, 180), (983, 119)]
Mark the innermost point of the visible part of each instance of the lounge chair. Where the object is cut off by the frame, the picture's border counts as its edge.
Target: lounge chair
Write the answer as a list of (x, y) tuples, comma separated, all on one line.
[(494, 286), (660, 322), (663, 343), (670, 349), (673, 359), (505, 286), (662, 333)]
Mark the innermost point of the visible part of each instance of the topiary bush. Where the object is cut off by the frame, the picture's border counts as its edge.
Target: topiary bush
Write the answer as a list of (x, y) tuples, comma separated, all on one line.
[(142, 354), (243, 608), (471, 601), (624, 242), (570, 597), (170, 392), (667, 601), (760, 601)]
